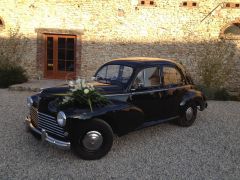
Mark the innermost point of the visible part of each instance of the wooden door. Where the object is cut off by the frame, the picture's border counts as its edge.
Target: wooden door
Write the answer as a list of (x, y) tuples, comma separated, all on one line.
[(60, 61)]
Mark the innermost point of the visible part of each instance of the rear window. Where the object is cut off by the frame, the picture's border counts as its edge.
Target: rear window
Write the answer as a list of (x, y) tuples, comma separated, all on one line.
[(172, 76)]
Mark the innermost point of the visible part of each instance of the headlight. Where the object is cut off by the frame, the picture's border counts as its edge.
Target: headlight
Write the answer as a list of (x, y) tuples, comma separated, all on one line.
[(29, 102), (61, 119)]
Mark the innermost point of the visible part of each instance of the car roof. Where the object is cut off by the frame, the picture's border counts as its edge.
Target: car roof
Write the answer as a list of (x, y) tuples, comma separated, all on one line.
[(143, 61)]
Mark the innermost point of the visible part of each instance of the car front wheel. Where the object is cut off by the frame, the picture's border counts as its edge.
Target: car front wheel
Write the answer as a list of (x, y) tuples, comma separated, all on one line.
[(188, 116), (93, 139)]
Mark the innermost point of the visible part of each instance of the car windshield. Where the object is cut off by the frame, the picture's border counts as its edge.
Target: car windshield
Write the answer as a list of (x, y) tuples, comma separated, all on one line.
[(114, 74)]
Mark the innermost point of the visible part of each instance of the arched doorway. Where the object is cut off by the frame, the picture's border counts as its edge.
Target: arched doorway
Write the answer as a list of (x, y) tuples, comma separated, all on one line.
[(231, 33), (1, 23)]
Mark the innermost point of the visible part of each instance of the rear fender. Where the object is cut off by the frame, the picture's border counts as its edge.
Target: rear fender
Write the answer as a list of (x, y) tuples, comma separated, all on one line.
[(196, 97)]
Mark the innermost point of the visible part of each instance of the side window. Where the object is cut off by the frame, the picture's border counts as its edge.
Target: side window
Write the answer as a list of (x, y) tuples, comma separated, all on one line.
[(148, 77), (102, 73), (172, 77), (126, 73), (109, 72), (112, 71)]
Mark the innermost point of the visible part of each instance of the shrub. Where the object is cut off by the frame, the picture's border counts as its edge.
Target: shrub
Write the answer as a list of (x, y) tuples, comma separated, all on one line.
[(214, 60), (220, 94), (208, 91), (12, 75), (12, 53)]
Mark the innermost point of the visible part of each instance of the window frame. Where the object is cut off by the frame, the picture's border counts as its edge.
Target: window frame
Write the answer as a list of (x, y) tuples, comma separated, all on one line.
[(150, 87), (120, 71), (147, 3), (56, 73), (189, 4), (231, 5)]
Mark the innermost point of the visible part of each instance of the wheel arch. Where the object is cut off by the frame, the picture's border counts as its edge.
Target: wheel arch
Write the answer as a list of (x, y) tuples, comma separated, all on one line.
[(194, 96)]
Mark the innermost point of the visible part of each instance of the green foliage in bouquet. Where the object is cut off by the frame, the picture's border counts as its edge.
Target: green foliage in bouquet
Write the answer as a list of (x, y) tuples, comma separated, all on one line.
[(82, 95)]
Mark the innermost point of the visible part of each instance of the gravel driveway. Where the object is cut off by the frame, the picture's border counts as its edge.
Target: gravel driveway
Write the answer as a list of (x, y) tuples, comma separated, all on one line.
[(210, 149)]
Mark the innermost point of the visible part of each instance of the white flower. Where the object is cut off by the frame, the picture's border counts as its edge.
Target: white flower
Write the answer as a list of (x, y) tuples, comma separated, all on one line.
[(78, 81), (71, 83), (73, 90), (78, 86), (83, 83), (66, 99), (86, 91), (91, 87)]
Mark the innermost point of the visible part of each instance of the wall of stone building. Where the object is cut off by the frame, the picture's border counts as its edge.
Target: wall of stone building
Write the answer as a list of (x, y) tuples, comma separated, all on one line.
[(120, 28)]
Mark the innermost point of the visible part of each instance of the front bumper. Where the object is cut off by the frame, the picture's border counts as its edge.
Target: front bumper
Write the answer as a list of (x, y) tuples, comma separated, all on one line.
[(46, 137)]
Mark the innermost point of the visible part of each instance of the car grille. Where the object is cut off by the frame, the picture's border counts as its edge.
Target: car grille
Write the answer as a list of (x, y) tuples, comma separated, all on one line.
[(46, 122)]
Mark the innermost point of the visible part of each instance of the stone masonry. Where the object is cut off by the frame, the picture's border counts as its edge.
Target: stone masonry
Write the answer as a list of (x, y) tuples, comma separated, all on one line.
[(107, 29)]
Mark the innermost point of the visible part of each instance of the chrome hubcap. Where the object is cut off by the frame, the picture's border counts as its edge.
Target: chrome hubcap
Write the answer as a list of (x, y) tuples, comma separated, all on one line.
[(92, 140), (189, 113)]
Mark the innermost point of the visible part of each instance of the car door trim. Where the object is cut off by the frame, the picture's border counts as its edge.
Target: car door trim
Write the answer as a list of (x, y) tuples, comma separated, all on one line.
[(148, 91)]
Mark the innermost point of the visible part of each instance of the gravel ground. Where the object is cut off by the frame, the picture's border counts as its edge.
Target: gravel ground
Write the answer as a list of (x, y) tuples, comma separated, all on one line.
[(210, 149)]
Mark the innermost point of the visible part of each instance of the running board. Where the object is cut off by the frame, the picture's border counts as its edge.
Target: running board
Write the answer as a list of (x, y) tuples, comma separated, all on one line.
[(152, 123)]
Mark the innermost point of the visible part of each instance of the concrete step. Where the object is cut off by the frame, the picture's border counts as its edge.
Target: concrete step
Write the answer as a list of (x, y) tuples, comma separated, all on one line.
[(37, 85)]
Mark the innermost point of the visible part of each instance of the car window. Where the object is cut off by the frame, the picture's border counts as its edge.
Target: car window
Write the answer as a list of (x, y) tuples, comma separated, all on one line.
[(114, 74), (149, 77), (110, 72), (102, 73), (126, 73), (172, 76)]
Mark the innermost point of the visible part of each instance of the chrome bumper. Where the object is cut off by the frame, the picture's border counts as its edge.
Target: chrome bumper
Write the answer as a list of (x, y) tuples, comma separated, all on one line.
[(45, 137)]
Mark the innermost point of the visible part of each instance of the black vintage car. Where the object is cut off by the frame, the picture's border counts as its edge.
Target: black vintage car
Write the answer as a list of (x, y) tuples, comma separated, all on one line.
[(142, 91)]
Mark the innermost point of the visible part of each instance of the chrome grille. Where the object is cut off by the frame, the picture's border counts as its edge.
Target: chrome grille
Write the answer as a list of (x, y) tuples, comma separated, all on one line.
[(49, 124), (34, 116), (46, 122)]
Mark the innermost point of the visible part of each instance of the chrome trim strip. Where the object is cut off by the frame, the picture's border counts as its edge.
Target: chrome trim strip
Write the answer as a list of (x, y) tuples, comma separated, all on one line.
[(143, 92), (55, 132), (46, 115), (110, 95), (49, 139), (51, 129), (50, 122), (51, 125), (46, 119), (157, 90)]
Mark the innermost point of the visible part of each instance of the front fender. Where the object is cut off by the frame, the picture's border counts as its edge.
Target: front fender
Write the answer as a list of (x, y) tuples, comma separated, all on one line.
[(121, 116), (86, 114)]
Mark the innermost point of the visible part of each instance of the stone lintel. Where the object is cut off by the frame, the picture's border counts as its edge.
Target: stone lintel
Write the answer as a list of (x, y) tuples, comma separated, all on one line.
[(77, 32)]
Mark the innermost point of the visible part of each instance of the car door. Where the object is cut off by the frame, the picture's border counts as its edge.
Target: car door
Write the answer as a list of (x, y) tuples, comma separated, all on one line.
[(145, 92), (173, 90)]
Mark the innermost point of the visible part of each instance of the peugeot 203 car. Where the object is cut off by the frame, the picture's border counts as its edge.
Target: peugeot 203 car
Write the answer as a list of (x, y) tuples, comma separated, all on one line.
[(142, 92)]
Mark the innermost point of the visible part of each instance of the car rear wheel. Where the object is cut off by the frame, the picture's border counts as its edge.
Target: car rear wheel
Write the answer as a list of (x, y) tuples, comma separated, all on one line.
[(188, 116), (93, 139)]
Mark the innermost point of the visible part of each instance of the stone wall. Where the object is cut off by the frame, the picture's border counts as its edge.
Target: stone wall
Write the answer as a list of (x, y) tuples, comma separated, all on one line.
[(121, 28)]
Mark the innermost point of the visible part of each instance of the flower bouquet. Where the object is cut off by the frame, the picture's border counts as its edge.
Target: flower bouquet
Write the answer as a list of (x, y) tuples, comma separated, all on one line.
[(82, 94)]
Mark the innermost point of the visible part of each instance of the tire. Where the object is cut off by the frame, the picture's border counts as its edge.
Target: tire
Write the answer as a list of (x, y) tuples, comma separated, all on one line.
[(92, 140), (188, 116)]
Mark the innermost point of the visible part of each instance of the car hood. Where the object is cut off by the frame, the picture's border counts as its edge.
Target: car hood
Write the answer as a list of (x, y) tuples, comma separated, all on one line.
[(103, 88)]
